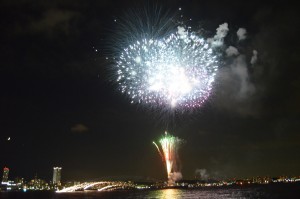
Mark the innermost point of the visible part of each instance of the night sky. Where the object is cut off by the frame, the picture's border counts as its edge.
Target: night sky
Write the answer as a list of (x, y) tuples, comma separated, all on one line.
[(59, 105)]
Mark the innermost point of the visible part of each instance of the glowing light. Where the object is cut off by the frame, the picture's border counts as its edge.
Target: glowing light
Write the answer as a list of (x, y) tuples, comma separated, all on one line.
[(161, 155), (100, 186), (170, 145), (170, 193), (176, 71)]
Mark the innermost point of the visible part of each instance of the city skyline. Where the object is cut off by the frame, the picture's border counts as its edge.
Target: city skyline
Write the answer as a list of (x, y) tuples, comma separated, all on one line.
[(56, 179), (61, 106), (57, 182)]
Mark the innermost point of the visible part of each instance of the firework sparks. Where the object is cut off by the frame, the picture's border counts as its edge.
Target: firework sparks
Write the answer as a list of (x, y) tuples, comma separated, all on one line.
[(161, 155), (174, 71), (170, 145)]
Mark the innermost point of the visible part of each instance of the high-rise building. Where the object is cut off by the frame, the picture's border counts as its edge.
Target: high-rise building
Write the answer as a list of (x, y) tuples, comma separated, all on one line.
[(5, 175), (56, 175)]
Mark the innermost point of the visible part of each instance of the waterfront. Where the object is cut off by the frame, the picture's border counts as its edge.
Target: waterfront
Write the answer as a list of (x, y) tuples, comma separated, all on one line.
[(253, 191)]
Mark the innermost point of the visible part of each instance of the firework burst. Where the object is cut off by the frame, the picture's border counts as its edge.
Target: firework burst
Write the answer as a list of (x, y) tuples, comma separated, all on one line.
[(169, 147), (161, 63), (174, 71)]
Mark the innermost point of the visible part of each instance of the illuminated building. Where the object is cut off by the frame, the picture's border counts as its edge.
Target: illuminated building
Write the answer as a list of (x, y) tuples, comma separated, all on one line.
[(37, 184), (5, 175), (56, 175)]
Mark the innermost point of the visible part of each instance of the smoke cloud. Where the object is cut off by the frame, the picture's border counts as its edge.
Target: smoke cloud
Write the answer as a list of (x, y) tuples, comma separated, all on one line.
[(230, 51), (235, 88), (202, 173), (218, 39), (254, 57), (175, 176), (239, 69), (241, 33), (222, 31)]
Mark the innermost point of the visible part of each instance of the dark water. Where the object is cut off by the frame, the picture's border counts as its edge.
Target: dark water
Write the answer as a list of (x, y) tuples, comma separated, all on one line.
[(262, 191)]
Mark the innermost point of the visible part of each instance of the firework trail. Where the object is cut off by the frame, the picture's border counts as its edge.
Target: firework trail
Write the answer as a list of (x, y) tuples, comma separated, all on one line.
[(174, 69), (161, 155), (169, 147)]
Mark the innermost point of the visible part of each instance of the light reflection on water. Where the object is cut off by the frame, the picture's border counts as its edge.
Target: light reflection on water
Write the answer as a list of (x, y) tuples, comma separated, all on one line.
[(189, 194), (167, 193)]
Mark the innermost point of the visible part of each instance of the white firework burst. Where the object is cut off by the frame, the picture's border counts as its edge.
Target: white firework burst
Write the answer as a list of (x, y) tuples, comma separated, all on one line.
[(177, 70)]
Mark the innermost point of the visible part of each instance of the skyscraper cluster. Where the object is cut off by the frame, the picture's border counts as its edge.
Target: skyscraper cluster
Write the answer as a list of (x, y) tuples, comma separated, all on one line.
[(34, 184)]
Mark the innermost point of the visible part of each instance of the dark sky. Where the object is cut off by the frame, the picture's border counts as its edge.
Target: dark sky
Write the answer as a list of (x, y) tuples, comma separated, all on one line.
[(59, 107)]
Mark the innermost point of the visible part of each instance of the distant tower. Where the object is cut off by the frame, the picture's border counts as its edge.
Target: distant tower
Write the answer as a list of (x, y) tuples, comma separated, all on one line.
[(5, 175), (56, 175)]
